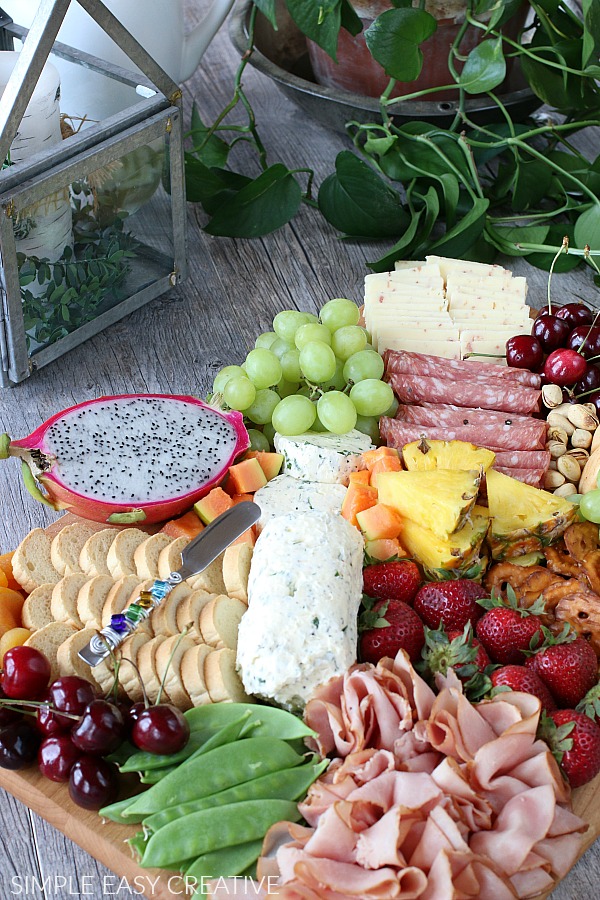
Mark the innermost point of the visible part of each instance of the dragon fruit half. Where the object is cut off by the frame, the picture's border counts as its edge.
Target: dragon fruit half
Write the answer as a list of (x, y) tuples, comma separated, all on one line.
[(129, 458)]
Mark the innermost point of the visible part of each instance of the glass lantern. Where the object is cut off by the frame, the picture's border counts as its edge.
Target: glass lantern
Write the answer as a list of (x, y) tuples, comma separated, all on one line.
[(92, 214)]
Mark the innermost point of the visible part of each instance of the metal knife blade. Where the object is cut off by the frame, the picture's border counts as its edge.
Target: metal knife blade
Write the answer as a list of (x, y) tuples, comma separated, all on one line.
[(216, 537), (196, 556)]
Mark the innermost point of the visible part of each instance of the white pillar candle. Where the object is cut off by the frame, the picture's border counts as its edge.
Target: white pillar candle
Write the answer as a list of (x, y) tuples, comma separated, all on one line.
[(48, 225)]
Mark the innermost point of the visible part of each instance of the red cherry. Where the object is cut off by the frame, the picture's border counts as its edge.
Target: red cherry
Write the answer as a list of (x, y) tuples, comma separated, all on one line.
[(564, 367), (587, 337), (71, 694), (26, 673), (575, 314), (551, 332), (132, 715), (57, 756), (19, 744), (50, 724), (101, 729), (8, 716), (524, 351), (93, 782), (595, 399), (590, 381), (161, 729)]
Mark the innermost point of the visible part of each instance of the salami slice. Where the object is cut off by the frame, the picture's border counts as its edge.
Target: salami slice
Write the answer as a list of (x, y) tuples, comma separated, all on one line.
[(397, 433), (529, 476), (530, 431), (508, 397), (404, 362), (522, 459)]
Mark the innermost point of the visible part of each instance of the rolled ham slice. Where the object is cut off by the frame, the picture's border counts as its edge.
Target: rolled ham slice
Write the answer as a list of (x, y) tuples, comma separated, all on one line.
[(423, 365), (506, 396)]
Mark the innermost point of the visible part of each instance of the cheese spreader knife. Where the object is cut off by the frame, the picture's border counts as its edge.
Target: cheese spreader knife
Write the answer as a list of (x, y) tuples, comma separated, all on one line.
[(198, 554)]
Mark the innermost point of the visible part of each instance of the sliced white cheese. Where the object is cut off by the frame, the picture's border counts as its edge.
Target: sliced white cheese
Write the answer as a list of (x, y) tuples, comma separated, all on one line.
[(445, 349), (409, 264), (323, 457), (447, 265), (494, 347)]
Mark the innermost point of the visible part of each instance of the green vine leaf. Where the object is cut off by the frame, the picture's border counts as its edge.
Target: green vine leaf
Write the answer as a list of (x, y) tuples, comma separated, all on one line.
[(260, 207), (358, 202), (394, 40), (587, 228), (212, 151), (484, 69), (267, 8), (320, 22), (591, 35), (457, 240)]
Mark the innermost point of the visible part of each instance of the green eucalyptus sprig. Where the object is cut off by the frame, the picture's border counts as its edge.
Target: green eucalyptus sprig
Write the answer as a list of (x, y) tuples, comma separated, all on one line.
[(465, 191)]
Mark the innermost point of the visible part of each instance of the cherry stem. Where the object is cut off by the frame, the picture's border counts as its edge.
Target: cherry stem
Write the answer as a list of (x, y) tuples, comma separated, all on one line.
[(170, 660), (564, 246), (30, 707), (139, 677)]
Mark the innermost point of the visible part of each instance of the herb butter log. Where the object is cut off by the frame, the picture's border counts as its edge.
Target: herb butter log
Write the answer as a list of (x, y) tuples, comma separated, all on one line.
[(284, 494), (304, 592), (326, 458)]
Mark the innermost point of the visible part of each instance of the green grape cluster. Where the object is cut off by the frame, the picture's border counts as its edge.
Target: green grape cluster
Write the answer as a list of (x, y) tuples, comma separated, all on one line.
[(310, 372)]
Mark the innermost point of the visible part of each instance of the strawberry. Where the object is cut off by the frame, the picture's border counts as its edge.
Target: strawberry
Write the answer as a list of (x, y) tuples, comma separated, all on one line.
[(452, 603), (387, 626), (506, 631), (397, 580), (574, 739), (567, 665), (519, 678), (461, 651)]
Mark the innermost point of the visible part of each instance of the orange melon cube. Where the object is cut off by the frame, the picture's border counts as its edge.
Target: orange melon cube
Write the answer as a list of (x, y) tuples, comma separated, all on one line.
[(241, 498), (386, 464), (358, 497), (248, 537), (384, 548), (270, 462), (379, 521), (188, 525), (247, 476), (361, 477), (211, 506), (370, 457)]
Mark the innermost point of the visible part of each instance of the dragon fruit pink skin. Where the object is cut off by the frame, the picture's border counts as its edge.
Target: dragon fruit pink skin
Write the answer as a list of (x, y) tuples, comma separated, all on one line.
[(91, 460)]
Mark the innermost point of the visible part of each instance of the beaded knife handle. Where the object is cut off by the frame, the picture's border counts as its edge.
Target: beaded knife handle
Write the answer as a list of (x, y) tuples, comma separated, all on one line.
[(198, 554)]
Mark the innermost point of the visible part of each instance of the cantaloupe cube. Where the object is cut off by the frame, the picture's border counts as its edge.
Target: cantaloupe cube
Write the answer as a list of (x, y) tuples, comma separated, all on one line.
[(358, 497), (361, 477), (270, 463), (248, 537), (386, 464), (241, 498), (247, 476), (370, 457), (211, 506), (379, 521), (384, 548), (188, 525)]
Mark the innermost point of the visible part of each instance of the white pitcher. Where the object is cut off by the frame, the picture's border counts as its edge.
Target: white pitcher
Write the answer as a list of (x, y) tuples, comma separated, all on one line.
[(158, 25)]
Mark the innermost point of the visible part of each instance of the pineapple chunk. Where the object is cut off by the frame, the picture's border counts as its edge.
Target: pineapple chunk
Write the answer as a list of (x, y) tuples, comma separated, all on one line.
[(456, 554), (439, 500), (425, 455), (524, 518)]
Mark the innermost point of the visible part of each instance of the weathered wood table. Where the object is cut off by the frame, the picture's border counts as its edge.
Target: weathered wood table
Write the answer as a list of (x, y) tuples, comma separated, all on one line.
[(176, 344)]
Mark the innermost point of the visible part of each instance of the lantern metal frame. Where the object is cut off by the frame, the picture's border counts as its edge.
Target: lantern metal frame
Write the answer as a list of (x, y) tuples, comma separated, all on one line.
[(158, 114)]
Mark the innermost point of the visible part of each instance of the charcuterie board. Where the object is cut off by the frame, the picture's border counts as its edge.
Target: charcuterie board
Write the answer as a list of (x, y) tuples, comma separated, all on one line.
[(106, 841)]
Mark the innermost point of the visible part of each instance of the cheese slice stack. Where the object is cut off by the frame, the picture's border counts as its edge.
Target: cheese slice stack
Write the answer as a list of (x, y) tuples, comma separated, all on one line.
[(446, 307)]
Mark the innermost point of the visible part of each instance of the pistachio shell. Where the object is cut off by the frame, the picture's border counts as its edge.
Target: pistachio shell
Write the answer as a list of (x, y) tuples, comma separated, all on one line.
[(580, 454), (565, 490), (581, 417), (552, 395), (557, 420), (553, 479), (581, 438), (556, 448), (569, 467), (558, 434)]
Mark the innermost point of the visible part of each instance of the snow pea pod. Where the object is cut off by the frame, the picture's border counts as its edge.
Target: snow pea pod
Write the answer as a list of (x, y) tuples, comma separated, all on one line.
[(216, 771), (117, 812), (153, 776), (274, 722), (222, 863), (202, 832), (140, 761), (289, 784)]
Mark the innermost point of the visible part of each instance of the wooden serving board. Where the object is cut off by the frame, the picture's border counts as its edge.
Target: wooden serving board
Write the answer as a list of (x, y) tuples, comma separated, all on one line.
[(105, 841)]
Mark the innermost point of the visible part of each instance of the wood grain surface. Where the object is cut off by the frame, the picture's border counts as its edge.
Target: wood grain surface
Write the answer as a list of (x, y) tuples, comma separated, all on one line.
[(176, 344)]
